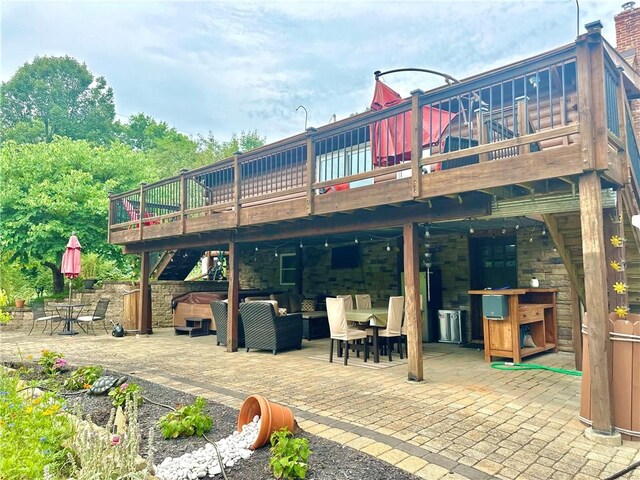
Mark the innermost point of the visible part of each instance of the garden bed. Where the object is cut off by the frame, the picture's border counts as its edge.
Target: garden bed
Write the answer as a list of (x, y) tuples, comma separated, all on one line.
[(328, 460)]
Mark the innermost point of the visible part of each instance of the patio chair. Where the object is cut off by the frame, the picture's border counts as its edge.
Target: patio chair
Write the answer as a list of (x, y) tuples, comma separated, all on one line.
[(340, 331), (348, 301), (394, 324), (99, 315), (363, 301), (40, 315), (264, 330), (220, 311)]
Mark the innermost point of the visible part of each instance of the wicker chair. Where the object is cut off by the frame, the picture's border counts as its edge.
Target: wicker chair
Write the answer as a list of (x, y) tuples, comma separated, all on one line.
[(263, 330), (220, 312)]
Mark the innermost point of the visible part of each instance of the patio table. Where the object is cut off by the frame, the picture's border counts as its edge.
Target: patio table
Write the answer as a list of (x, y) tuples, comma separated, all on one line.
[(66, 311), (376, 318)]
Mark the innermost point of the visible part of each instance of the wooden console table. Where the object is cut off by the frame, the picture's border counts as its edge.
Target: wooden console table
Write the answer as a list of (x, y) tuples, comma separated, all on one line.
[(535, 307)]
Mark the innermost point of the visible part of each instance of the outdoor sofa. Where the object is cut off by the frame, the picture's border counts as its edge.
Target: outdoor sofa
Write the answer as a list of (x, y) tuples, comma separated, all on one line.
[(264, 330)]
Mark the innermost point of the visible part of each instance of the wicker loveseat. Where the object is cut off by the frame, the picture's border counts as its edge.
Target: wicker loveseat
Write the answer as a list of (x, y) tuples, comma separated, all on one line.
[(264, 330), (220, 314), (314, 322)]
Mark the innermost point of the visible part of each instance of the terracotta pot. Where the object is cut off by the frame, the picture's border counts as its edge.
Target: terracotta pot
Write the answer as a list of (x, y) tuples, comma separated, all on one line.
[(20, 303), (273, 417)]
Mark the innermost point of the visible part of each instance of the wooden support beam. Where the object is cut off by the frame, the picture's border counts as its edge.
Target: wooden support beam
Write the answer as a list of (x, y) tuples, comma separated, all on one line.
[(233, 297), (299, 270), (595, 266), (412, 302), (145, 295), (565, 254), (576, 327)]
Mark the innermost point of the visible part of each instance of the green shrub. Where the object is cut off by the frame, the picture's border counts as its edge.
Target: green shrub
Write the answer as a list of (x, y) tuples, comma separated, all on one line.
[(33, 432), (83, 377), (5, 317), (52, 362), (120, 395), (186, 421), (288, 455)]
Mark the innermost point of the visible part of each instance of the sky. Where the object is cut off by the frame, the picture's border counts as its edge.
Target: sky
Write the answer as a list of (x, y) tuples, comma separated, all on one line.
[(229, 67)]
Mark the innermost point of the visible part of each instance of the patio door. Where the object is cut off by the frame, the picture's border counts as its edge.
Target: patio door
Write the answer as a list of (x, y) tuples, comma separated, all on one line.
[(493, 265)]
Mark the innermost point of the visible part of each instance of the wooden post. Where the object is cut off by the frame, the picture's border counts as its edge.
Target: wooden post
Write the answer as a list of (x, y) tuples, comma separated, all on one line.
[(576, 327), (145, 295), (593, 252), (142, 209), (591, 98), (311, 169), (416, 142), (412, 302), (523, 123), (183, 199), (236, 190), (233, 297)]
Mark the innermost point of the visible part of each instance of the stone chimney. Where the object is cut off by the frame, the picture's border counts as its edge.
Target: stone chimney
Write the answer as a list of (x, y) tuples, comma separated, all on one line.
[(628, 44)]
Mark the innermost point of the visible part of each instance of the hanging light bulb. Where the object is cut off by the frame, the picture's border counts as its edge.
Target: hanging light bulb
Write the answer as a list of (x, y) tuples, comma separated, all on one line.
[(530, 239), (544, 231), (427, 246), (472, 230), (301, 245), (504, 230), (276, 252), (427, 233), (356, 240), (517, 226), (388, 247), (427, 254), (257, 248), (326, 243)]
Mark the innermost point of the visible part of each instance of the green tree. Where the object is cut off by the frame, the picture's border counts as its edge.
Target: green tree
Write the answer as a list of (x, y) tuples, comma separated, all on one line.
[(213, 150), (168, 149), (56, 96), (52, 189)]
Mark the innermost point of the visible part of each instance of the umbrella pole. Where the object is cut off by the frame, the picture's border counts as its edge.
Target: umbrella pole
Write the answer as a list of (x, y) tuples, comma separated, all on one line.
[(69, 291)]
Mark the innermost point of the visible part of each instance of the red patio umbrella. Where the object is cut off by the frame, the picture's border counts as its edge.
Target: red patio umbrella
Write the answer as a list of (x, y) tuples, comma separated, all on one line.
[(391, 137), (71, 260)]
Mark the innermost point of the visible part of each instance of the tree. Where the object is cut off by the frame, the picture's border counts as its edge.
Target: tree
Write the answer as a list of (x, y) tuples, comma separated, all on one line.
[(164, 146), (52, 189), (56, 96), (213, 150)]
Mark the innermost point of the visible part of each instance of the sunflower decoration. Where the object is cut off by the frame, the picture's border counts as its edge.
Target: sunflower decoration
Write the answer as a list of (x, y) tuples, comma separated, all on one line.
[(617, 266), (616, 241), (620, 287), (621, 311)]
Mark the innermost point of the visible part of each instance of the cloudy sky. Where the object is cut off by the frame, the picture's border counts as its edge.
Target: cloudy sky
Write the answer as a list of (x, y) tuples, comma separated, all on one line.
[(231, 66)]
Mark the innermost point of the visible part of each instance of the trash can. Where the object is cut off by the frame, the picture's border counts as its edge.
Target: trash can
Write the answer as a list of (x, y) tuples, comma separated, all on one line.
[(451, 326)]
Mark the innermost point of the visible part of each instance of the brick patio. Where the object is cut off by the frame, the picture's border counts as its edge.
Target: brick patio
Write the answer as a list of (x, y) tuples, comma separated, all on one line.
[(465, 421)]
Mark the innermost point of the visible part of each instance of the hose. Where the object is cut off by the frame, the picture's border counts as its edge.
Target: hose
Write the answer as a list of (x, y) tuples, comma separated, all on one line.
[(533, 366), (633, 466)]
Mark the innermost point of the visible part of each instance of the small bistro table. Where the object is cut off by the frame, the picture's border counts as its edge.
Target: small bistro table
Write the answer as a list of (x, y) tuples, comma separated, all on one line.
[(376, 318), (66, 311)]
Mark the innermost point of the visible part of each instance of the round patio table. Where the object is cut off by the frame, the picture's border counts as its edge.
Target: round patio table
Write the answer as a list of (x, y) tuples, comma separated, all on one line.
[(67, 312)]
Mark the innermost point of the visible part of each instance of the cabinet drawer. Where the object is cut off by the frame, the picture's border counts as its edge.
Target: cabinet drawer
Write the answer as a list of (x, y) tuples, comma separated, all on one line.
[(528, 314)]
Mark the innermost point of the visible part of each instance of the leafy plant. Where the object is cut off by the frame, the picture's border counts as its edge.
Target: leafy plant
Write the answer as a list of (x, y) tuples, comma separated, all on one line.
[(83, 377), (186, 421), (288, 455), (5, 317), (120, 395), (52, 362), (33, 431), (90, 262)]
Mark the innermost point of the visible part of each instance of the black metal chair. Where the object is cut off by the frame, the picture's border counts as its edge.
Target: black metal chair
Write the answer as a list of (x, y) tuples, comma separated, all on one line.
[(40, 315), (264, 330), (220, 316), (99, 314)]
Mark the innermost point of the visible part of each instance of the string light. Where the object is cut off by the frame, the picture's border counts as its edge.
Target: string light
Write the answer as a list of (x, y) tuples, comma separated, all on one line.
[(301, 245), (356, 240), (276, 252), (427, 233), (326, 243), (544, 231), (388, 247), (504, 230), (472, 230), (517, 226), (256, 249)]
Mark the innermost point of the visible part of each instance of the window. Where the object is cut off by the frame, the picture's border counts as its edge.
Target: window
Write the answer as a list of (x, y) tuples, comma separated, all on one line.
[(287, 269)]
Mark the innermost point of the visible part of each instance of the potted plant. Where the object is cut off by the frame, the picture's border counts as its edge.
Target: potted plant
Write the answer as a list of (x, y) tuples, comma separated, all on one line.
[(89, 270)]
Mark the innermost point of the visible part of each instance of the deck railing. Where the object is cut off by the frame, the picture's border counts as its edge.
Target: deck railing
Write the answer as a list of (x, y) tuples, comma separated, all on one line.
[(518, 109)]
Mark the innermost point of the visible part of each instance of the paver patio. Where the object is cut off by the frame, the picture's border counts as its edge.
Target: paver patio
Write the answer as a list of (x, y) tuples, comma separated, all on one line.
[(465, 421)]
